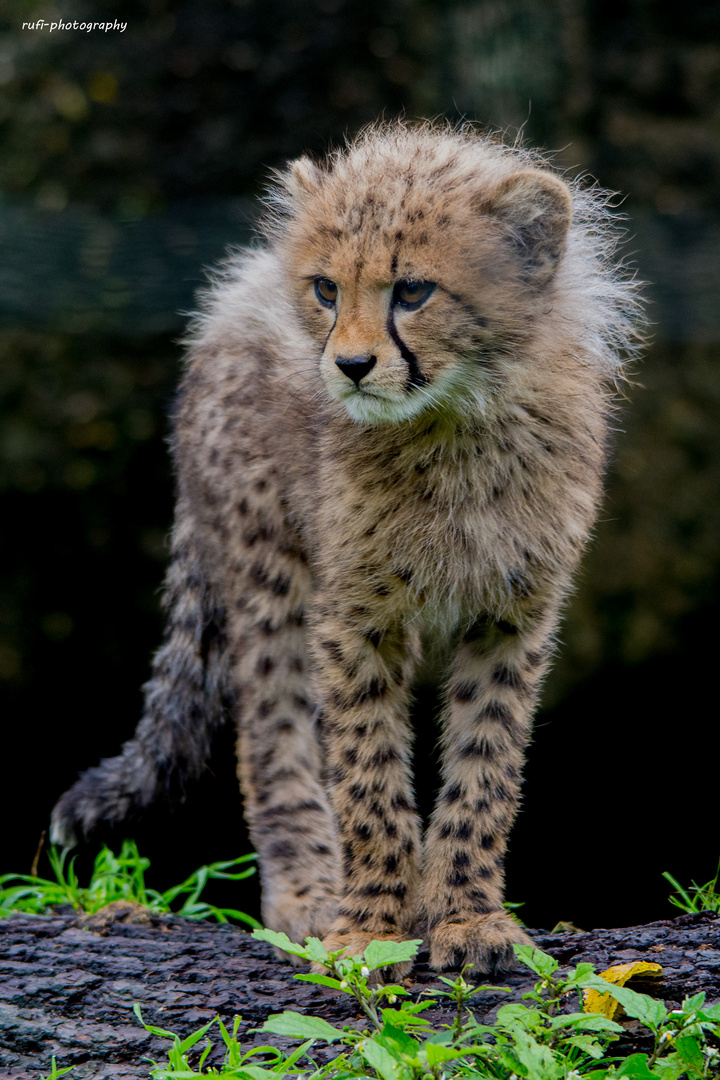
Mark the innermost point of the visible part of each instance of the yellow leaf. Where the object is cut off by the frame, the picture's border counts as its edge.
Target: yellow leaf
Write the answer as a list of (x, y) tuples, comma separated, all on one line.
[(605, 1004)]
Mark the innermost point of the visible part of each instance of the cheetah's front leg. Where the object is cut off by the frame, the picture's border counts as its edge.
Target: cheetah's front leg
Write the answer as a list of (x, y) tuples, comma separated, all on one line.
[(490, 695), (364, 675)]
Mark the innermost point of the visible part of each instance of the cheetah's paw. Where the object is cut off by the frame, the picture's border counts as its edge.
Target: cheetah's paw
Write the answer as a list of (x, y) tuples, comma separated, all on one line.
[(300, 918), (485, 941), (355, 942)]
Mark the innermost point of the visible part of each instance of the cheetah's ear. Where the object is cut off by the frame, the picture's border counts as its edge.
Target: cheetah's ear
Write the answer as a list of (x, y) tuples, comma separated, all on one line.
[(303, 178), (537, 209)]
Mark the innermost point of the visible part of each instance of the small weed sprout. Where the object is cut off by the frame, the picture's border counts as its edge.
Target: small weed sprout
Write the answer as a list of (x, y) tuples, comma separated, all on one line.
[(706, 897), (121, 878)]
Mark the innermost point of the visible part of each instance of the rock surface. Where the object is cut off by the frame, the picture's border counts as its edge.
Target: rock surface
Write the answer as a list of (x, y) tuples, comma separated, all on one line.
[(68, 990)]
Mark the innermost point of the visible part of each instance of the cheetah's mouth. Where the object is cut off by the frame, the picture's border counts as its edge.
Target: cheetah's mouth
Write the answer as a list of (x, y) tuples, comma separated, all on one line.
[(457, 392)]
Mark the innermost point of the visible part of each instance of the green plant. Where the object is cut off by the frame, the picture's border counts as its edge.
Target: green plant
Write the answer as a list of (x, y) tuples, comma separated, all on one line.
[(541, 1040), (706, 897), (55, 1072), (120, 877)]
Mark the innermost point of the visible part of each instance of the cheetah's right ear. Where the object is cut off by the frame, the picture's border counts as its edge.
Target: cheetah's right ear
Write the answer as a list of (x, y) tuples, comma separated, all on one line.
[(303, 178), (536, 207)]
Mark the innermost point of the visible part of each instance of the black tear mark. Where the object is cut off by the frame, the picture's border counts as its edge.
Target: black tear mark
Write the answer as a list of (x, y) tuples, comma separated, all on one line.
[(416, 376)]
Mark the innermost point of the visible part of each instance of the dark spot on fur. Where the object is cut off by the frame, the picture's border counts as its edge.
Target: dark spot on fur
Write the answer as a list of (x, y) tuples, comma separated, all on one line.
[(280, 586), (373, 690), (383, 757), (282, 849), (391, 864), (457, 879), (351, 755), (477, 629), (465, 692), (480, 900), (495, 711), (507, 676)]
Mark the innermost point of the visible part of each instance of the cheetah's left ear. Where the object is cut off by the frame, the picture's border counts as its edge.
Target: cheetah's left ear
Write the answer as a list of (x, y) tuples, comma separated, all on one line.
[(303, 178), (537, 209)]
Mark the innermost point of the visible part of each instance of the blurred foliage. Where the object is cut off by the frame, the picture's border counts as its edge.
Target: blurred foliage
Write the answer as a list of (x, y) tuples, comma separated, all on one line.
[(126, 160)]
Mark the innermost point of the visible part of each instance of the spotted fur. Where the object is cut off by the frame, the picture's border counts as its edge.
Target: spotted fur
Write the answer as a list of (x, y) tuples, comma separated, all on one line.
[(368, 490)]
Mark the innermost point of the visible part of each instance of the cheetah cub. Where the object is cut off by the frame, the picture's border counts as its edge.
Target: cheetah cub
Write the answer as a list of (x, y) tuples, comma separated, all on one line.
[(389, 446)]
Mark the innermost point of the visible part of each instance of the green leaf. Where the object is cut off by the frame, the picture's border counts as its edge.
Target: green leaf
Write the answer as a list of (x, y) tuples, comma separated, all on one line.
[(321, 980), (636, 1067), (586, 1043), (516, 1015), (436, 1054), (295, 1025), (670, 1067), (397, 1041), (587, 1021), (286, 1063), (538, 1060), (380, 954), (280, 941), (315, 951), (249, 1072), (406, 1016), (536, 960), (153, 1030), (689, 1052), (189, 1042), (641, 1007), (577, 974), (383, 1061), (694, 1003)]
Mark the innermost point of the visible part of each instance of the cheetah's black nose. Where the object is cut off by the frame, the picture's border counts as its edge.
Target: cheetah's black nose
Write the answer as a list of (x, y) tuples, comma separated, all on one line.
[(356, 367)]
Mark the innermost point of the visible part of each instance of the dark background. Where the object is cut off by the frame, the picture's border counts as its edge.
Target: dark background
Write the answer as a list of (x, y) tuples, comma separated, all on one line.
[(128, 162)]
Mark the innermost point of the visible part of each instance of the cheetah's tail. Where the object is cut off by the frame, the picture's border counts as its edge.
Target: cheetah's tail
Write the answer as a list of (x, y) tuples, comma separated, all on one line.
[(184, 703)]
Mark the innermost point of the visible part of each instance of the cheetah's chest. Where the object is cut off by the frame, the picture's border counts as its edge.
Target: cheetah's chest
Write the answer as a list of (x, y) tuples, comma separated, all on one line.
[(438, 541)]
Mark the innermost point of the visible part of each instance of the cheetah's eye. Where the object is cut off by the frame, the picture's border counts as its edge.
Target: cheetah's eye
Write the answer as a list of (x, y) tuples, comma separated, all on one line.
[(411, 294), (326, 291)]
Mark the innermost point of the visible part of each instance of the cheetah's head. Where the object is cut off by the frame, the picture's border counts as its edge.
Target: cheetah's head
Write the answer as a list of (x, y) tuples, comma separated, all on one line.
[(418, 269)]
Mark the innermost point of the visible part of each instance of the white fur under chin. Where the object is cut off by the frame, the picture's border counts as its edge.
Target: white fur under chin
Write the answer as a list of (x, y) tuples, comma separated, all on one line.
[(458, 391)]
